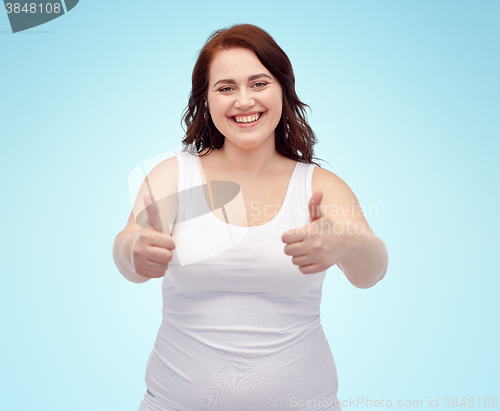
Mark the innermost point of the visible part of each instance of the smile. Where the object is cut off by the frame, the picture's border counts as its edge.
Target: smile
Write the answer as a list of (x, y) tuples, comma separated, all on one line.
[(247, 119)]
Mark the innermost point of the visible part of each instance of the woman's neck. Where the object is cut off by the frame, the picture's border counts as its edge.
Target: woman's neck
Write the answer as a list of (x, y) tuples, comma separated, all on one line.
[(252, 162)]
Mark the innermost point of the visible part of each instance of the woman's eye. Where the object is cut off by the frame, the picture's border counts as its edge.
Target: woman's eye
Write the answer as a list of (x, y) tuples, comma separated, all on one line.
[(257, 85)]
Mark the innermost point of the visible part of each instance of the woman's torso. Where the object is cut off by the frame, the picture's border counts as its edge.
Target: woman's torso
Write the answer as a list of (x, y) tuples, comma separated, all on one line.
[(241, 327)]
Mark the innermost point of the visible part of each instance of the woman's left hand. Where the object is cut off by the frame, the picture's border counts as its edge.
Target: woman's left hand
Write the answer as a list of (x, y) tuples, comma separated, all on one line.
[(320, 244)]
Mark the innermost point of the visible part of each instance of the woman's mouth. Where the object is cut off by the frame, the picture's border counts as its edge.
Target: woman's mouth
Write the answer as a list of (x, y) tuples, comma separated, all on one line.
[(248, 121)]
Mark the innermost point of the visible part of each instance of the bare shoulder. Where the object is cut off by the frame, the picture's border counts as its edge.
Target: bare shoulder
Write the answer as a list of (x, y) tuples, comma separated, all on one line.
[(339, 200), (165, 173), (163, 179), (162, 182), (323, 179)]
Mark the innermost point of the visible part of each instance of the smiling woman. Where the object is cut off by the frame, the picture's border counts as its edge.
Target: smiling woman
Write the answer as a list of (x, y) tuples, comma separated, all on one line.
[(219, 76), (244, 108), (242, 279)]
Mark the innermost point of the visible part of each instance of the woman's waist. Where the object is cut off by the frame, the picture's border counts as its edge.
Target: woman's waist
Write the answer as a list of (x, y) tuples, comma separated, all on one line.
[(241, 312), (244, 337), (202, 370), (243, 319)]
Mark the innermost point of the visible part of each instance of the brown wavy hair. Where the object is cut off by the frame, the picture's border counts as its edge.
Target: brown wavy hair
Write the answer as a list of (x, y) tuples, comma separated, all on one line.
[(294, 138)]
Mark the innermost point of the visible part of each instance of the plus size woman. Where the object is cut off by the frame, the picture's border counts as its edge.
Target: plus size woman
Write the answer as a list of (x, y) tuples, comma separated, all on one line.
[(242, 225)]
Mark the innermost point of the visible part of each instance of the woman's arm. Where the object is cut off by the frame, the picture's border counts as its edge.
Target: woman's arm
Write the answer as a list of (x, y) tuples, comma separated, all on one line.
[(161, 182), (367, 259), (122, 253)]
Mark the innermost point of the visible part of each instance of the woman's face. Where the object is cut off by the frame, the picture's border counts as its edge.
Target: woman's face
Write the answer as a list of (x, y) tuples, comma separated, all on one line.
[(244, 98)]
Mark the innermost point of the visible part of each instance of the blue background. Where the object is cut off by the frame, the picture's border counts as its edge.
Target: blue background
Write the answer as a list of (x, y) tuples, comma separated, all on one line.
[(404, 96)]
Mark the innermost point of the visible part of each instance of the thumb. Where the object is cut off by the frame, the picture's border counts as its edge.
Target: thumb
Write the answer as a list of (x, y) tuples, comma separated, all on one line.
[(153, 212), (314, 206)]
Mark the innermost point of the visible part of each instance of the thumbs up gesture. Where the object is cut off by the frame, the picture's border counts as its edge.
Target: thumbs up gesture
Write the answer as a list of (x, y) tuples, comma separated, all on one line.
[(316, 246), (152, 248)]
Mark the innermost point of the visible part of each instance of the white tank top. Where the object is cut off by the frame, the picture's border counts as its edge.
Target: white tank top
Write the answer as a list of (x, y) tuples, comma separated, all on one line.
[(240, 323)]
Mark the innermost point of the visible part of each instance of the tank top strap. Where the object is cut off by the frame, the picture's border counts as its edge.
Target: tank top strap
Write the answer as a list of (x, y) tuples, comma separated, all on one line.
[(189, 175), (301, 192)]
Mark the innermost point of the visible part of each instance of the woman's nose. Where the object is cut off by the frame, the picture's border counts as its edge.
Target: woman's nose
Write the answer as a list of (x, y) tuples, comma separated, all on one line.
[(244, 100)]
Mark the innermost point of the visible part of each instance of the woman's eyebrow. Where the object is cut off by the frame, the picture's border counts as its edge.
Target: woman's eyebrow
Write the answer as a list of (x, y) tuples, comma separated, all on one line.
[(231, 81)]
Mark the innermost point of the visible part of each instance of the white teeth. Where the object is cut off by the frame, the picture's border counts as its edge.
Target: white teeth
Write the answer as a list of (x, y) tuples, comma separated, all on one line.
[(247, 119)]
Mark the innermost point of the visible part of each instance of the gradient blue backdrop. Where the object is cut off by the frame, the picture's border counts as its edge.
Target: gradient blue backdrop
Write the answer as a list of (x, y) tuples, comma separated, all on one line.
[(405, 103)]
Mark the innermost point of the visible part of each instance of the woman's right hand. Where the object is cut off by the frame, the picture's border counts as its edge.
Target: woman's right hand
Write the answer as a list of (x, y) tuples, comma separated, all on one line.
[(152, 249)]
